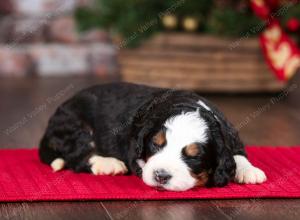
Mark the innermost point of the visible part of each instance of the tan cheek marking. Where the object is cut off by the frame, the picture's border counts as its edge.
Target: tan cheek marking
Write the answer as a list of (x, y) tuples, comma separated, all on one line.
[(191, 150), (160, 138), (201, 178)]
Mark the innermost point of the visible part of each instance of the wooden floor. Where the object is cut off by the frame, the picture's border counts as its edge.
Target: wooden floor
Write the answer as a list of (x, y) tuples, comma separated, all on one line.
[(269, 120)]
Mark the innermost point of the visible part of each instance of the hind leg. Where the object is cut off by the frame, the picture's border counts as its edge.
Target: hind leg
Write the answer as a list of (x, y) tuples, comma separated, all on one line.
[(58, 164), (67, 143)]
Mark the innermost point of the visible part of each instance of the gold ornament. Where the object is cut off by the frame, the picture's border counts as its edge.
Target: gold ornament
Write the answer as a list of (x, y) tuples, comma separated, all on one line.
[(259, 2), (170, 21), (190, 24)]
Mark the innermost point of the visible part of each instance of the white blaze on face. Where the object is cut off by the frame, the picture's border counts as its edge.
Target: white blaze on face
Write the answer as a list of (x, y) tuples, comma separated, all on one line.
[(181, 130)]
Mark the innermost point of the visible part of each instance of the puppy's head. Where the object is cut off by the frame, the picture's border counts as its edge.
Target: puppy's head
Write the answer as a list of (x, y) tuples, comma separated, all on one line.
[(188, 150)]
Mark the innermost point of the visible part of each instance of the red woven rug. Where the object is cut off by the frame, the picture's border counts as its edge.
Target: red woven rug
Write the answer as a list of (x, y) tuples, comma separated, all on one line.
[(24, 178)]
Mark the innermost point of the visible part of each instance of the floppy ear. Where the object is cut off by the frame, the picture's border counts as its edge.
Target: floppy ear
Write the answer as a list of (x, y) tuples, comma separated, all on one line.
[(136, 146), (142, 124), (223, 167), (134, 154)]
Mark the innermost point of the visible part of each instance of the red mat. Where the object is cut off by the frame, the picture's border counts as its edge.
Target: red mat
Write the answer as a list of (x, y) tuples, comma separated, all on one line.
[(24, 178)]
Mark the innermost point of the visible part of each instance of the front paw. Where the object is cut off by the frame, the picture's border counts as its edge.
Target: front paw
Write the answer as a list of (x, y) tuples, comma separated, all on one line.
[(250, 175), (107, 166)]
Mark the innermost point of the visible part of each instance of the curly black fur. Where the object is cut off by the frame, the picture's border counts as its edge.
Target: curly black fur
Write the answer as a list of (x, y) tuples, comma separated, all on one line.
[(121, 119)]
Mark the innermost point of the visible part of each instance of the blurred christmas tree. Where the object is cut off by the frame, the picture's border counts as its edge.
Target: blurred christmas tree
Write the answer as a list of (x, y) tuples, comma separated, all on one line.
[(291, 22), (138, 19)]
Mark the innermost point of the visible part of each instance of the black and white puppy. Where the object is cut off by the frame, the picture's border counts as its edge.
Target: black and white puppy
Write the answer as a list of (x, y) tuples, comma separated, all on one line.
[(173, 139)]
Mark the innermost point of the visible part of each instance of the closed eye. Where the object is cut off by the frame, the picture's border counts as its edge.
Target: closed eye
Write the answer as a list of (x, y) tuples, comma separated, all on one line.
[(156, 147)]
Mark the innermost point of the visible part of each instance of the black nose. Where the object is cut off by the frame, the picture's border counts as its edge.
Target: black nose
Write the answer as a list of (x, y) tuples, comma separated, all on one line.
[(161, 176)]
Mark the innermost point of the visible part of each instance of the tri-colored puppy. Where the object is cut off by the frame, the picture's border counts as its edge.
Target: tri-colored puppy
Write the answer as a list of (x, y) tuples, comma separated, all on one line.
[(173, 139)]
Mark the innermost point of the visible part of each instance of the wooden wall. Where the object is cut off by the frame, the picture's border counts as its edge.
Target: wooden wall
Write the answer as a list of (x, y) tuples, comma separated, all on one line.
[(203, 63)]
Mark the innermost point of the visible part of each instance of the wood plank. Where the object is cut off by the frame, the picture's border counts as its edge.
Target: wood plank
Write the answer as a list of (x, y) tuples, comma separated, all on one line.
[(200, 49), (170, 53), (183, 74), (258, 208), (181, 40), (206, 66), (53, 210), (187, 210), (208, 86)]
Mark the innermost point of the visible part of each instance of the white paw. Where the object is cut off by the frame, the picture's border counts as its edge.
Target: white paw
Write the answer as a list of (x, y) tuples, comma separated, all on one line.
[(57, 164), (107, 166), (250, 175)]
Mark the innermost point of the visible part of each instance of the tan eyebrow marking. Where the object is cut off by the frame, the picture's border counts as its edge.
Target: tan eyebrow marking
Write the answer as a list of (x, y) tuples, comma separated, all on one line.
[(191, 150), (160, 138)]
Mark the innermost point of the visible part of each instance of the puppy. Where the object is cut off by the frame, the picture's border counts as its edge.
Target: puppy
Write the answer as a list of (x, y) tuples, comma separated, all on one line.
[(174, 140)]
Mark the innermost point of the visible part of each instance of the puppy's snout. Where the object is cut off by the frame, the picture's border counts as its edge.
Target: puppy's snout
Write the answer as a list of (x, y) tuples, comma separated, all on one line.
[(161, 176)]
